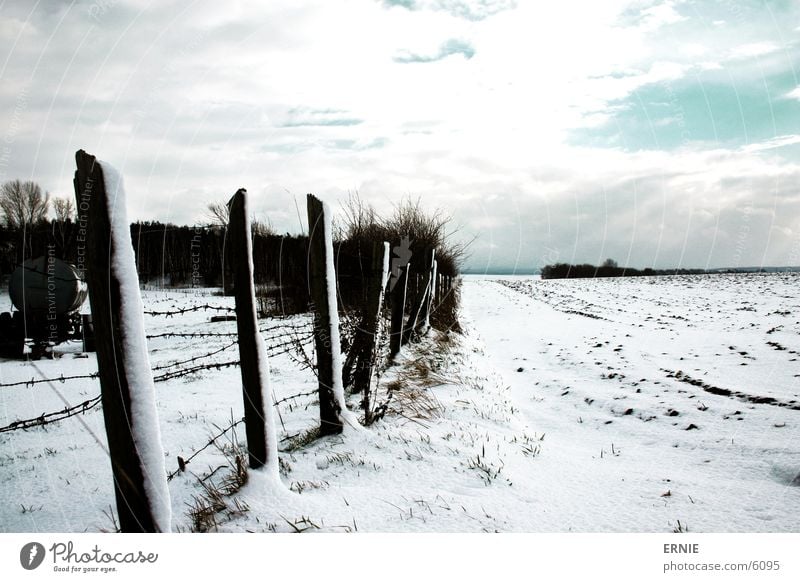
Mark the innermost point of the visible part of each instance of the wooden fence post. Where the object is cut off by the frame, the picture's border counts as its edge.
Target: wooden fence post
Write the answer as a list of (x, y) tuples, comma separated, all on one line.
[(433, 289), (418, 316), (322, 281), (370, 326), (262, 447), (397, 329), (126, 381), (228, 278)]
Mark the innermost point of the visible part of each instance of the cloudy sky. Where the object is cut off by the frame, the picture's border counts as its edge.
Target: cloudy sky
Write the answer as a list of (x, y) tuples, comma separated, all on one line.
[(657, 132)]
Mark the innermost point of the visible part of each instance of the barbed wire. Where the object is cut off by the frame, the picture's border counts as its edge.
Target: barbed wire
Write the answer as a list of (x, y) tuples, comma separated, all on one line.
[(286, 347), (293, 333), (195, 358), (60, 379), (171, 334), (194, 369), (274, 349), (280, 327), (183, 462), (295, 396), (52, 417), (184, 310)]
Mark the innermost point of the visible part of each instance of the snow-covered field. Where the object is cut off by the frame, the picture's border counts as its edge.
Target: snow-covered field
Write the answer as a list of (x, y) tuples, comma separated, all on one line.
[(605, 405)]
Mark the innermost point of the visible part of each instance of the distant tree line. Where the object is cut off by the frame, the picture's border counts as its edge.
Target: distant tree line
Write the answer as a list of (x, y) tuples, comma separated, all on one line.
[(610, 268), (171, 255)]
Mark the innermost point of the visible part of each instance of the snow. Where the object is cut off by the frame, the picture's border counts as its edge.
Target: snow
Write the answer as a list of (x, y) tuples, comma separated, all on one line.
[(143, 414), (508, 450), (588, 362)]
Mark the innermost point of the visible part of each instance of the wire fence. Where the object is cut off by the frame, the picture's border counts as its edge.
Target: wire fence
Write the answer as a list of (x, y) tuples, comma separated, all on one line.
[(287, 337)]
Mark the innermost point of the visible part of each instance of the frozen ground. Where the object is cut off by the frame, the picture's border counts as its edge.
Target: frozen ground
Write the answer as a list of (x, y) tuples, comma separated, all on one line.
[(644, 365), (606, 405)]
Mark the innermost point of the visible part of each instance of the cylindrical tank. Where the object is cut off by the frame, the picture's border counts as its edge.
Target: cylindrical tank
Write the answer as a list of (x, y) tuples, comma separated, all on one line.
[(47, 284)]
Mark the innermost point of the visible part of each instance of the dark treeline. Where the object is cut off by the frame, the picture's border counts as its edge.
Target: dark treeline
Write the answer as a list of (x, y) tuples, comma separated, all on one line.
[(169, 255), (166, 254), (610, 269), (18, 244)]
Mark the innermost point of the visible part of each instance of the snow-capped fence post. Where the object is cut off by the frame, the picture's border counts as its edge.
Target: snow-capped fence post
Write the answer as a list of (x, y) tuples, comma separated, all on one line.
[(396, 329), (126, 381), (262, 447), (322, 283), (371, 324)]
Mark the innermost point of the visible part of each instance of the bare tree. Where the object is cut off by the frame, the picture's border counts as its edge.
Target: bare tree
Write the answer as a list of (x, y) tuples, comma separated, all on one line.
[(261, 227), (218, 213), (610, 263), (64, 209), (23, 203)]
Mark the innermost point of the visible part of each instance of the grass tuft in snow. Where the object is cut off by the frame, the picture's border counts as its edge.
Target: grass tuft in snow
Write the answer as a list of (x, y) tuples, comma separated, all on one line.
[(680, 528), (112, 517), (300, 486), (301, 440), (216, 499)]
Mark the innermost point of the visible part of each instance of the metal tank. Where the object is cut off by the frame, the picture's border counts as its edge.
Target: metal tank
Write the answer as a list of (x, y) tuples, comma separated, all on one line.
[(48, 294), (46, 285)]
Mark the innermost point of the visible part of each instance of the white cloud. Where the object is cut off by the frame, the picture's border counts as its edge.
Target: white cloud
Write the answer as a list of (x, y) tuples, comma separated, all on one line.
[(774, 143), (794, 94), (474, 10), (660, 15), (755, 49)]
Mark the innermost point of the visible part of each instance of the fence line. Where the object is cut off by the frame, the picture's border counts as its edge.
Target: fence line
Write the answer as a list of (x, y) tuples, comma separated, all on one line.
[(275, 349), (52, 417), (430, 289), (444, 287)]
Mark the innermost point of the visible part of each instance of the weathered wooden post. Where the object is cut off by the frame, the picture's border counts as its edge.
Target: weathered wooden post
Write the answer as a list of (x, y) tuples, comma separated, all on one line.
[(126, 381), (397, 329), (262, 446), (322, 283), (228, 278), (419, 314), (370, 325), (432, 290)]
